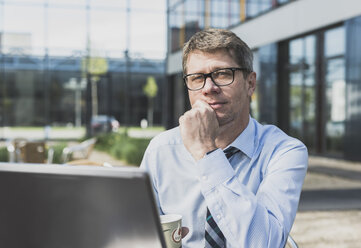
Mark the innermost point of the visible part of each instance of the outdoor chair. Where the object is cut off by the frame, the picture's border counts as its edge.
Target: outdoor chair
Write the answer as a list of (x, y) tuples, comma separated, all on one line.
[(81, 150), (291, 243), (13, 149), (24, 151)]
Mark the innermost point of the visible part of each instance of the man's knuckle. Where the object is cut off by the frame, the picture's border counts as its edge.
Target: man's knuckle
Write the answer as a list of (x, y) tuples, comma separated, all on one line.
[(192, 113)]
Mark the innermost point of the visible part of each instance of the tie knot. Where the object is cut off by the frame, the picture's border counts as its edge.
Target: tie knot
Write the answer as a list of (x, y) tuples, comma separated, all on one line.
[(230, 151)]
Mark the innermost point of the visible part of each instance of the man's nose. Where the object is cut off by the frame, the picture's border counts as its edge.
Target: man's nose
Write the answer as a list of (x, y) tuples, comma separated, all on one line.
[(210, 86)]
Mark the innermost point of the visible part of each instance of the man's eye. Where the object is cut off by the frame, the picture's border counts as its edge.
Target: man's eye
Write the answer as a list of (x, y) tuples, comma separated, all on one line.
[(222, 73), (197, 78)]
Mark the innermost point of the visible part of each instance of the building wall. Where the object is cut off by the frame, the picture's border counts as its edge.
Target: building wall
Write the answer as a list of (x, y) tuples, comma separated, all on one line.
[(287, 21)]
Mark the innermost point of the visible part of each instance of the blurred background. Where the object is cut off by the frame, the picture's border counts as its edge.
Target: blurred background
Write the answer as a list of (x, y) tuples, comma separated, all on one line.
[(71, 70), (63, 62)]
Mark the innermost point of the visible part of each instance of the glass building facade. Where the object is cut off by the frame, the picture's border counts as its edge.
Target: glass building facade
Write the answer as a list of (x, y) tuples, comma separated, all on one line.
[(185, 17), (34, 93), (62, 61), (308, 82)]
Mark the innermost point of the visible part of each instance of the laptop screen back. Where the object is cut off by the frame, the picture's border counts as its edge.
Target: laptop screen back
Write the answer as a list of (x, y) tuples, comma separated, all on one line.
[(83, 207)]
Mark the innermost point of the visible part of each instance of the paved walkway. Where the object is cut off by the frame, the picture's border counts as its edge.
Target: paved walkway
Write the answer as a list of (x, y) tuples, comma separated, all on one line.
[(328, 229), (101, 157), (330, 209)]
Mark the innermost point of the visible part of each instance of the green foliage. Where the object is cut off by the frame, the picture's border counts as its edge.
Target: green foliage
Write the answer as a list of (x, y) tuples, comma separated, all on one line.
[(131, 154), (58, 150), (123, 147), (4, 156)]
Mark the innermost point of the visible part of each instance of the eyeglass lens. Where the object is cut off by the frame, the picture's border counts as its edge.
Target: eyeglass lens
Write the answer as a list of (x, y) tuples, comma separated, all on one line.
[(219, 77)]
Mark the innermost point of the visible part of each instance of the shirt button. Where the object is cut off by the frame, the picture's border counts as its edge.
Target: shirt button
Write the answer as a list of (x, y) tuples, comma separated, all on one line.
[(204, 178), (218, 217)]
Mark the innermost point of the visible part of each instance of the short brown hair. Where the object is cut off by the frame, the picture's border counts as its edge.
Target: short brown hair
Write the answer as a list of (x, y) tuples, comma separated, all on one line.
[(211, 40)]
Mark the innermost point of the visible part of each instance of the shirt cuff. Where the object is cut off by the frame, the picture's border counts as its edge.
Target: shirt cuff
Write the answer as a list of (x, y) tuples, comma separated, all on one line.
[(214, 169)]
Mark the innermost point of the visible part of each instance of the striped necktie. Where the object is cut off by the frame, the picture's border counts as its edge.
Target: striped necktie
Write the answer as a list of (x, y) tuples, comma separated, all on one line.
[(213, 235)]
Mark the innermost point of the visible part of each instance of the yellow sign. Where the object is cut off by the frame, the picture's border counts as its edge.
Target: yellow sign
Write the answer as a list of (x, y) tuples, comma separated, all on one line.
[(95, 65), (151, 87)]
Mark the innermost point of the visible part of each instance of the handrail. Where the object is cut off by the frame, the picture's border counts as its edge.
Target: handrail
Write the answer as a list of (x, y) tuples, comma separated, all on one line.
[(84, 147)]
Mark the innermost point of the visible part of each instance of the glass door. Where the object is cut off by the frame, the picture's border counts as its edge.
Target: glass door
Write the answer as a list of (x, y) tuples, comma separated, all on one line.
[(302, 109), (335, 91)]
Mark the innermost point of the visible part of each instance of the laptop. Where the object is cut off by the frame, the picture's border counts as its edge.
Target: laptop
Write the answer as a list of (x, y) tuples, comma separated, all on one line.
[(57, 206)]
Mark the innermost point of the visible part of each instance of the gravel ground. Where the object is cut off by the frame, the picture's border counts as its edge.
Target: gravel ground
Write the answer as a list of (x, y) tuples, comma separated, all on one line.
[(338, 229), (320, 181), (101, 157), (331, 229)]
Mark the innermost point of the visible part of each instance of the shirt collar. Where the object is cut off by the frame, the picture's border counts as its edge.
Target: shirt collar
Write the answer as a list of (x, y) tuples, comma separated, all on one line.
[(245, 141)]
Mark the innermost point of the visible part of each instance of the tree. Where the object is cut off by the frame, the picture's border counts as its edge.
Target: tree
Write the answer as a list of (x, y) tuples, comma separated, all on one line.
[(150, 89)]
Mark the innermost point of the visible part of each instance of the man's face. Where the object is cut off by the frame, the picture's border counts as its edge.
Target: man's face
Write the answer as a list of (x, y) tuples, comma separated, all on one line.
[(231, 102)]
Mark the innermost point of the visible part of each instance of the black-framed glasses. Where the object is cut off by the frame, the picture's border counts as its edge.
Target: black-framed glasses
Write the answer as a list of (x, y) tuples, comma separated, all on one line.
[(220, 77)]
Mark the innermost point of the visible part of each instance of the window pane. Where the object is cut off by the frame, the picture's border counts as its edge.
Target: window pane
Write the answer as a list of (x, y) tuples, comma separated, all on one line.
[(23, 37), (148, 42), (65, 2), (302, 89), (264, 101), (176, 31), (335, 42), (66, 35), (108, 33), (335, 105), (114, 4), (335, 90)]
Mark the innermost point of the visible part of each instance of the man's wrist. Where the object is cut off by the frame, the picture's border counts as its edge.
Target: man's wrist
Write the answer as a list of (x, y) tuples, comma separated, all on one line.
[(207, 153), (201, 152)]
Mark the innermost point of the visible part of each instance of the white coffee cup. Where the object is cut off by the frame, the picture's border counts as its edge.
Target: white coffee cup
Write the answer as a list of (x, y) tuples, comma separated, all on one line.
[(172, 230)]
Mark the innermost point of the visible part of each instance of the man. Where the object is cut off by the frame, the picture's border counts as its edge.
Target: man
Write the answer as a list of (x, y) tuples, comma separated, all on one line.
[(248, 196)]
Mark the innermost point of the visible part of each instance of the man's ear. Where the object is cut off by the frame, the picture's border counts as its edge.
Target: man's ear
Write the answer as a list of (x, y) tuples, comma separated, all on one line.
[(251, 83)]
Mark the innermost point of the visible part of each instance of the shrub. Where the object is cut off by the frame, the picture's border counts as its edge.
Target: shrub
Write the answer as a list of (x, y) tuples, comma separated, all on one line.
[(123, 147), (58, 150), (131, 154), (104, 141), (4, 156)]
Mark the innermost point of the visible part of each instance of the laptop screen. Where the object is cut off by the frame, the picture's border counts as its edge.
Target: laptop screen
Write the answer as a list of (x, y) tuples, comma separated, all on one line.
[(77, 206)]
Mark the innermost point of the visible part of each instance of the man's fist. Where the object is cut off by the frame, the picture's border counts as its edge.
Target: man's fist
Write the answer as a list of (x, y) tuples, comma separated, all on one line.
[(199, 129)]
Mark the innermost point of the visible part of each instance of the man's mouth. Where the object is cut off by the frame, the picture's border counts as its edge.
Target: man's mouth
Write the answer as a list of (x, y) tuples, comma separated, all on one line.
[(216, 105)]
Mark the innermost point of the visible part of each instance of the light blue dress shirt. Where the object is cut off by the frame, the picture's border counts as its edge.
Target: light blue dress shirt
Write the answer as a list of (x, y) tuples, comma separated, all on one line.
[(253, 197)]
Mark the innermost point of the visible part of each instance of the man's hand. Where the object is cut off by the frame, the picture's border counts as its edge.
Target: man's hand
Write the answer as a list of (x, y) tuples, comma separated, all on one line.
[(199, 129)]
